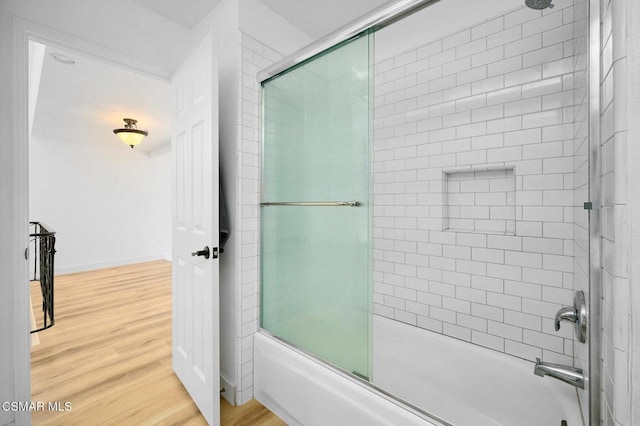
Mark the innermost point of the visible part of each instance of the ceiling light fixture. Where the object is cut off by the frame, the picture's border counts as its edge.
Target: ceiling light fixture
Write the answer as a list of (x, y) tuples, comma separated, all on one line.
[(130, 133)]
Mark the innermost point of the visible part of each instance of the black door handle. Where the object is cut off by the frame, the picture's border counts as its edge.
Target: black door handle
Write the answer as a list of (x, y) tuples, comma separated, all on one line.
[(204, 252)]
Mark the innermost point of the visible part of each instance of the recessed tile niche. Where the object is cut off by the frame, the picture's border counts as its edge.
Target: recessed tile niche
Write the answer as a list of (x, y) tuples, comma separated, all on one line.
[(480, 200)]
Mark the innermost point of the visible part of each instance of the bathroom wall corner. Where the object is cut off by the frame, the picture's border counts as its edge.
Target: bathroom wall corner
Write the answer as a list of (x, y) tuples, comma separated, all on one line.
[(620, 61), (632, 17)]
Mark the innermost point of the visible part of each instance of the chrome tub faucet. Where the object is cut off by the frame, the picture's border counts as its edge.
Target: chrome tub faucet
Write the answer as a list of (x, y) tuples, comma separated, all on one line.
[(572, 375)]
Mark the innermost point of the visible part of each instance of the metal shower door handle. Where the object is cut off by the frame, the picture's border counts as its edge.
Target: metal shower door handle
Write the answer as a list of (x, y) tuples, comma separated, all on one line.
[(313, 204)]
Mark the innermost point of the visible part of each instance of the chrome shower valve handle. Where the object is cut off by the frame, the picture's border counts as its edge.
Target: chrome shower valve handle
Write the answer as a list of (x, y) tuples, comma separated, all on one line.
[(576, 314), (566, 314)]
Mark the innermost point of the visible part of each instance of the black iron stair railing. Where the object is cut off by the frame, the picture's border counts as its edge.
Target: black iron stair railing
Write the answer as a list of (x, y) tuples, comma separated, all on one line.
[(44, 241)]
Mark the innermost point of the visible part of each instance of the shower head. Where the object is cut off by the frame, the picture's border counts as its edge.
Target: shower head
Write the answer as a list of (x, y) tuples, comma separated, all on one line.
[(539, 4)]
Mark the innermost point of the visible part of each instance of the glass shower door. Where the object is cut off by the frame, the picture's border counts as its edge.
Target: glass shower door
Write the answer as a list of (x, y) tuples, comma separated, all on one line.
[(315, 214)]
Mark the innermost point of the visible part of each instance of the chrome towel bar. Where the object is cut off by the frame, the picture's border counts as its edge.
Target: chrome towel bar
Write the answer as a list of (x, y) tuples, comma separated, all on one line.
[(314, 204)]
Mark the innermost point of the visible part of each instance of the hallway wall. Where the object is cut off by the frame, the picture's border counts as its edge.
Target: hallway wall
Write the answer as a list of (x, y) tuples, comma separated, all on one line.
[(110, 205)]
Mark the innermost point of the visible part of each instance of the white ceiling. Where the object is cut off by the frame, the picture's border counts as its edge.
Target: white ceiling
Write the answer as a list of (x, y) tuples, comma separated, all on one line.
[(316, 18), (319, 18), (83, 103), (185, 12)]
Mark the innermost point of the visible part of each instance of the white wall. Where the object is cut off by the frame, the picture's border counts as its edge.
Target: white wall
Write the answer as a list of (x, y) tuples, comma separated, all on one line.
[(110, 205), (8, 243)]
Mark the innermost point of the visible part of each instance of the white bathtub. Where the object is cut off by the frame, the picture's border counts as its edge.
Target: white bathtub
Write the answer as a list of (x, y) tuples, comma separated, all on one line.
[(463, 384)]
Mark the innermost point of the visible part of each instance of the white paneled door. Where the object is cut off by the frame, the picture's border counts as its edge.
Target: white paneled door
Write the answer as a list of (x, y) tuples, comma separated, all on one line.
[(195, 229)]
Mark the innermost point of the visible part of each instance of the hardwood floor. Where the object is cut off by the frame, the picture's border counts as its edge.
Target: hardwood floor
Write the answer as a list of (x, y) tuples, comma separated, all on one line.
[(251, 413), (109, 354)]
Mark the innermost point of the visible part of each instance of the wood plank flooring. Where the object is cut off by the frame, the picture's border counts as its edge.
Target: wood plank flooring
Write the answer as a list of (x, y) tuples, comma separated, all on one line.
[(109, 354)]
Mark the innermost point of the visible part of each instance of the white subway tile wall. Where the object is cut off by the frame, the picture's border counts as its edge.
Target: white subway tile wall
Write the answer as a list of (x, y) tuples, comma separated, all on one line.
[(616, 227), (255, 56), (473, 183), (479, 201)]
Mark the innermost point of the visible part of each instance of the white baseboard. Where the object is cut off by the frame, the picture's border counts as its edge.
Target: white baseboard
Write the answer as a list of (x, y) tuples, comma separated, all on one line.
[(229, 390), (63, 270)]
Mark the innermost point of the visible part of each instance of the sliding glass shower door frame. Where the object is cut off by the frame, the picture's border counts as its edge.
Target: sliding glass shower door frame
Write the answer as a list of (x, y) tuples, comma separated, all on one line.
[(316, 213)]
